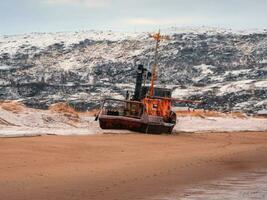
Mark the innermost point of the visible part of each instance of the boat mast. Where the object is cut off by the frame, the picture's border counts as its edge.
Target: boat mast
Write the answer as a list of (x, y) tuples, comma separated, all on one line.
[(157, 37)]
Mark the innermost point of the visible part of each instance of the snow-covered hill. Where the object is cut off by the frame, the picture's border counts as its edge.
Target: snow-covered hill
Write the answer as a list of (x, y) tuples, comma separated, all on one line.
[(225, 69)]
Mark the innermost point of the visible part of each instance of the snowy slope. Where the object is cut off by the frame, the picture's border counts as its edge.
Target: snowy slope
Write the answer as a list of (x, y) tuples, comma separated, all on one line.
[(11, 44), (215, 65)]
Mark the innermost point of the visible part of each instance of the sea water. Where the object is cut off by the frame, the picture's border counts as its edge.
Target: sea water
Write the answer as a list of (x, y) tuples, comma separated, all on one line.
[(245, 186)]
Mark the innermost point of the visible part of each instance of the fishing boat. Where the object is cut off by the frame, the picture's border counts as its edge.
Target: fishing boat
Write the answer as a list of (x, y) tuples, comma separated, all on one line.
[(150, 108)]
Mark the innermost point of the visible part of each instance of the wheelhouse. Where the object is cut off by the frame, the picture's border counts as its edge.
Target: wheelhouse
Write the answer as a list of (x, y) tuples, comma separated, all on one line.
[(115, 107)]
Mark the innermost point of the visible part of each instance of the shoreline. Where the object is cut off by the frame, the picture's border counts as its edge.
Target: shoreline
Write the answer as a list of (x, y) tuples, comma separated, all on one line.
[(129, 166)]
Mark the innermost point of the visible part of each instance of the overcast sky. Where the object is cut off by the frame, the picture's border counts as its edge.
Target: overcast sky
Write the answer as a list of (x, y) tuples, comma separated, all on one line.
[(21, 16)]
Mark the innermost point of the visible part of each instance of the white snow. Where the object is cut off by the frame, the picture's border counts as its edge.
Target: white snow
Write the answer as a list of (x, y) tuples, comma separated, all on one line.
[(6, 67), (236, 87), (242, 106), (11, 44), (32, 122), (264, 61), (262, 112), (220, 124), (181, 93), (237, 72), (262, 103), (210, 30), (220, 88), (190, 91), (261, 84), (205, 69)]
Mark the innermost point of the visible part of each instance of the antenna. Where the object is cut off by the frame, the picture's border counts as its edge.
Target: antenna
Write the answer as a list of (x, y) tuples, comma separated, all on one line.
[(157, 37)]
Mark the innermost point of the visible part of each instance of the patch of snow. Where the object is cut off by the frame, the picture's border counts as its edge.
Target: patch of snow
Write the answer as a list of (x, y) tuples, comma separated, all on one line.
[(190, 91), (206, 69), (236, 87), (219, 124), (261, 84), (179, 108), (26, 131), (261, 103), (237, 72), (6, 67), (264, 61), (181, 93), (262, 112)]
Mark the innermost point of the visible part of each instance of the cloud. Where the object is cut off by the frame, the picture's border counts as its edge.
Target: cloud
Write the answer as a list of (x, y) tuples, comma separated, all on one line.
[(87, 3), (156, 22)]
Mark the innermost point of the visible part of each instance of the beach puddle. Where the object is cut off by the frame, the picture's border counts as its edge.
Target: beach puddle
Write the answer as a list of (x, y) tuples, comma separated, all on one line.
[(245, 186)]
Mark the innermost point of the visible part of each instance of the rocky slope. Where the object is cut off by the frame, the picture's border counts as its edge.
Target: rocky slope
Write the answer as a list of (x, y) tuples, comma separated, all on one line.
[(227, 70)]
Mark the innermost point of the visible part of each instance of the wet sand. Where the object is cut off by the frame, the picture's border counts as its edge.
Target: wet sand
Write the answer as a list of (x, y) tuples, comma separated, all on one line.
[(249, 185), (129, 166)]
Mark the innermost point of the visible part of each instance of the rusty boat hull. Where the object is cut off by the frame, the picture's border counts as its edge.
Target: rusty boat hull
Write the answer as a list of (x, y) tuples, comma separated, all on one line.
[(134, 124)]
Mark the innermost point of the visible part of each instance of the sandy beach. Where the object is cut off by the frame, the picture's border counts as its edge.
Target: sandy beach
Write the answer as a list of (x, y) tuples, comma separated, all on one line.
[(122, 166)]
